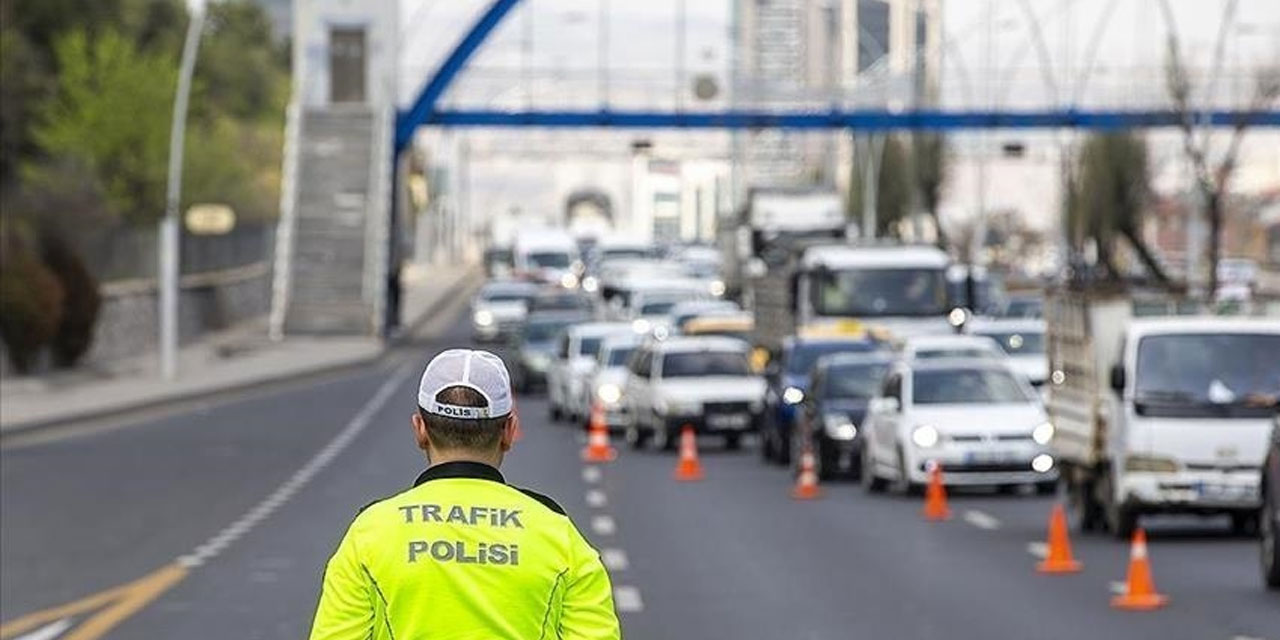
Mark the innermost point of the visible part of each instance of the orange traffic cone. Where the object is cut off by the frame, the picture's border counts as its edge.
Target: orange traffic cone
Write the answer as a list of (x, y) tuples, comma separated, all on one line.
[(1059, 559), (598, 448), (1140, 591), (688, 469), (807, 480), (935, 496)]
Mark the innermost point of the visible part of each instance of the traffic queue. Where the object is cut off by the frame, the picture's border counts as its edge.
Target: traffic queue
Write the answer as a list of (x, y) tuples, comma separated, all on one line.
[(860, 363)]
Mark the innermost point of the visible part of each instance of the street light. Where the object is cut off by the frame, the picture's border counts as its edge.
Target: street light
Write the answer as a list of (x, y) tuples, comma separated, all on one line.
[(170, 237)]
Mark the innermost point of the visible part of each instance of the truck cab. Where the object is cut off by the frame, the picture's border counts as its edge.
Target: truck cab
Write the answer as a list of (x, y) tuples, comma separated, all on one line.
[(1161, 415)]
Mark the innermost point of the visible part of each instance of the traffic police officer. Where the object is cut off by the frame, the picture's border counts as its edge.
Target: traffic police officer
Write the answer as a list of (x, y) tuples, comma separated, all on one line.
[(462, 554)]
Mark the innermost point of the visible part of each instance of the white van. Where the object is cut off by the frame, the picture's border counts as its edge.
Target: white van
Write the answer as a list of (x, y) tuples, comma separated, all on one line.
[(549, 256)]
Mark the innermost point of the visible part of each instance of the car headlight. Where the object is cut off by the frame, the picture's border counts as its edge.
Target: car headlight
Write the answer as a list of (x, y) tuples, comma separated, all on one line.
[(483, 318), (925, 436), (1043, 433), (1042, 463), (609, 393), (839, 427), (640, 325), (1151, 464), (590, 284), (716, 288), (793, 395), (568, 281)]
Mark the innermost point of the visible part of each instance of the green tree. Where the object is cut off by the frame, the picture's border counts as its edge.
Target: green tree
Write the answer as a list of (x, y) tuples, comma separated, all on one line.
[(929, 169), (1109, 198), (111, 111)]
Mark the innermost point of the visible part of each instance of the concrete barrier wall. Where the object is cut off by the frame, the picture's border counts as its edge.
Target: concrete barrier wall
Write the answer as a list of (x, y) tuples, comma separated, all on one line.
[(128, 322)]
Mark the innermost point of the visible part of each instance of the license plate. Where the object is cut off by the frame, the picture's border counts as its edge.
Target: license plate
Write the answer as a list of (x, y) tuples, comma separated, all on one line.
[(1213, 491), (989, 456), (730, 420)]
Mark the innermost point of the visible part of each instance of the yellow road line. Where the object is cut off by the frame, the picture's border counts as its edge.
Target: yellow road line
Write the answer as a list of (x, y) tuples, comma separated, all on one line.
[(113, 605)]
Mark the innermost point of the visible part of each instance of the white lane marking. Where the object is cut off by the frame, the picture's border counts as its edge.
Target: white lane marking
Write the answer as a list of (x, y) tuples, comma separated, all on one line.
[(1118, 587), (49, 631), (596, 498), (614, 559), (981, 519), (627, 599), (604, 525), (242, 525), (1246, 638), (1038, 549), (591, 475)]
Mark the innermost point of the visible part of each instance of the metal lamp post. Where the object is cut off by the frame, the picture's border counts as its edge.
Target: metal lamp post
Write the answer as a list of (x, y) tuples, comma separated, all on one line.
[(170, 235)]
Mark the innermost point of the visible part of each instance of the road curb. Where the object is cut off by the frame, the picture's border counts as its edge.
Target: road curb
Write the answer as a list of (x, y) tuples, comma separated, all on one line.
[(429, 313)]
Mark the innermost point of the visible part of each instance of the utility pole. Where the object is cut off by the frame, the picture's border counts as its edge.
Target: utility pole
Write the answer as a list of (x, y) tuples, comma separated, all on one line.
[(170, 232)]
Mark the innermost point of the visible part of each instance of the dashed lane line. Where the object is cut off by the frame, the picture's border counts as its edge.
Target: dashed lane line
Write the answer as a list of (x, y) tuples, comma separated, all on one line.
[(604, 525), (591, 474), (1038, 549), (597, 499), (236, 530), (627, 599), (614, 559), (981, 520)]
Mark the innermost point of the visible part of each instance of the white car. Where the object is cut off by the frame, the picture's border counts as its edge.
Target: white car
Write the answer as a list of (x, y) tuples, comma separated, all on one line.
[(605, 384), (572, 364), (499, 308), (950, 346), (1022, 339), (977, 419), (703, 382), (649, 308)]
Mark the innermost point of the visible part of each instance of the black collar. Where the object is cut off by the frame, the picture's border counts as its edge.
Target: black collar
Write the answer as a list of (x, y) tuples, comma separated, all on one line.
[(460, 469)]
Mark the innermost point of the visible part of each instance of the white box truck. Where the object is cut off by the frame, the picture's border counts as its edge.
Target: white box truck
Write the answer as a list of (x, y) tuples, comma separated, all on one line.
[(1158, 414)]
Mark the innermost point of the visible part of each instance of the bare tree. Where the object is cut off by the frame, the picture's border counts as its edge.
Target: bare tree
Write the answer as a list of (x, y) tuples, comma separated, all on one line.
[(1212, 176), (929, 164)]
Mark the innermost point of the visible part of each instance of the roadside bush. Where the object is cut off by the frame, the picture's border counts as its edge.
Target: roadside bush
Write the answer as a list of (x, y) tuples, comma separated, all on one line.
[(80, 300), (30, 302)]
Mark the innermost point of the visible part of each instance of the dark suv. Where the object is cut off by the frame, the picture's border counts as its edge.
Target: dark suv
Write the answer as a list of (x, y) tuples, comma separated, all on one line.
[(840, 388), (1270, 521)]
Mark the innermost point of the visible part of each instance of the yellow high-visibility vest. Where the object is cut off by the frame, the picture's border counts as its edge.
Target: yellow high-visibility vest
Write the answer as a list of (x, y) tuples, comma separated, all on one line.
[(460, 555)]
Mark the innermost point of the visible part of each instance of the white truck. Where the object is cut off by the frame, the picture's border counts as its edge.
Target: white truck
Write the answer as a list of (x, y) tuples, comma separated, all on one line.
[(772, 222), (898, 290), (1158, 413), (547, 256)]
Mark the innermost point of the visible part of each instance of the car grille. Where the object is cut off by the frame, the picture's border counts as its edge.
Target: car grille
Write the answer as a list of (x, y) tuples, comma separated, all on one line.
[(1002, 467), (726, 407)]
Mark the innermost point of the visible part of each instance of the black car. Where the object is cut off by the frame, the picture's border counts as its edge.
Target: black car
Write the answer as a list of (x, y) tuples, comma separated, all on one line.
[(1269, 524), (533, 346), (840, 387)]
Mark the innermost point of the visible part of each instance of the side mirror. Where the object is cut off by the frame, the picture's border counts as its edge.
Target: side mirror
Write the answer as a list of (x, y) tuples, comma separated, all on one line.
[(1117, 378), (885, 405)]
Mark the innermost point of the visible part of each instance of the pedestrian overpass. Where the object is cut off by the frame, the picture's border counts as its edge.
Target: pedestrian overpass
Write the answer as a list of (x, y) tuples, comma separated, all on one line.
[(343, 202)]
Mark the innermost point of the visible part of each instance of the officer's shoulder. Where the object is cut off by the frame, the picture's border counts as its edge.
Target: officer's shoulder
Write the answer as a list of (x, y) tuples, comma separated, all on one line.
[(546, 501)]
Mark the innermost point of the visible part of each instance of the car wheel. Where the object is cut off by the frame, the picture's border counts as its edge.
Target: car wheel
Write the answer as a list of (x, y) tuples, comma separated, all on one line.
[(1083, 506), (825, 458), (766, 445), (871, 482), (554, 410), (732, 441), (783, 453), (636, 438), (1121, 520), (904, 484), (1244, 524), (662, 438), (1270, 542)]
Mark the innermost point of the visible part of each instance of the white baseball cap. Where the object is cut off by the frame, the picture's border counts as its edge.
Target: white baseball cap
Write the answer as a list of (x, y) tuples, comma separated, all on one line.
[(479, 371)]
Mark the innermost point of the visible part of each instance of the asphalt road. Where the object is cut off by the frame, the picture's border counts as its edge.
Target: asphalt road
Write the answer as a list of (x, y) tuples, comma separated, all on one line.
[(731, 557)]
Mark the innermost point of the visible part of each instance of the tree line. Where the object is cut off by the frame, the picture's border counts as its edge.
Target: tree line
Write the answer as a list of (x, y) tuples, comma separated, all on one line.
[(86, 97)]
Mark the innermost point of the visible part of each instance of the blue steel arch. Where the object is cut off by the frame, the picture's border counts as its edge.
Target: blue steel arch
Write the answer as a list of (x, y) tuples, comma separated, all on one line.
[(423, 111)]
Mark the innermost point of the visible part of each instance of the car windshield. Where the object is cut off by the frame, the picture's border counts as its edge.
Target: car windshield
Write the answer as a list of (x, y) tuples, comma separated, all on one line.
[(618, 356), (1024, 308), (967, 386), (589, 346), (802, 355), (855, 381), (543, 330), (880, 292), (636, 252), (705, 363), (953, 352), (1198, 375), (563, 301), (657, 307), (506, 295), (1017, 343), (550, 259)]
